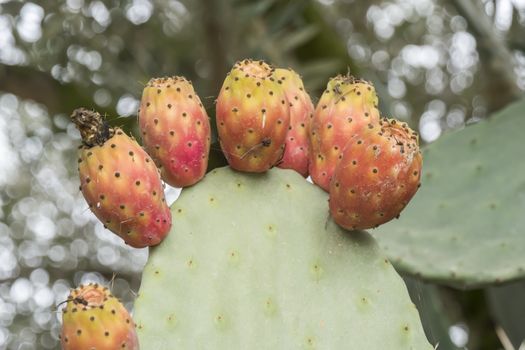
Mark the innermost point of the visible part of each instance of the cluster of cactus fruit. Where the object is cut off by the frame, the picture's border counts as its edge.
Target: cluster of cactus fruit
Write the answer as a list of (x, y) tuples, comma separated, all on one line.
[(370, 165)]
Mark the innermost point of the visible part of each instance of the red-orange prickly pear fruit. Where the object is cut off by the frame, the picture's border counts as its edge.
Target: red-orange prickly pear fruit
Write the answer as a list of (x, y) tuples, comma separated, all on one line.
[(347, 105), (120, 182), (377, 176), (253, 116), (296, 152), (94, 319), (175, 130)]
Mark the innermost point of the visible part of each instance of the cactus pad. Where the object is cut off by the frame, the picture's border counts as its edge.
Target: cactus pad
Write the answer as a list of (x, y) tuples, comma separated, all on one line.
[(253, 263), (466, 225)]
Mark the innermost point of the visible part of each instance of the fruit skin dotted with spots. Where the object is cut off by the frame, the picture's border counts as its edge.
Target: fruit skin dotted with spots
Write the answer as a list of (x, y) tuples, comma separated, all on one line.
[(253, 116), (175, 130), (120, 182), (94, 319), (296, 153), (378, 175), (346, 106)]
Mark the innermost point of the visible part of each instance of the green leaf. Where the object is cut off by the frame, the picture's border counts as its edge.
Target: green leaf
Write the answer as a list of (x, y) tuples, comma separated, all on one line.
[(297, 38), (248, 10)]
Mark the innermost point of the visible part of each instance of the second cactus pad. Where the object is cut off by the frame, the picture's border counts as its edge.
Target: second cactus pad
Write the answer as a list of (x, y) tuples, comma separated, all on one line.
[(466, 225), (253, 263)]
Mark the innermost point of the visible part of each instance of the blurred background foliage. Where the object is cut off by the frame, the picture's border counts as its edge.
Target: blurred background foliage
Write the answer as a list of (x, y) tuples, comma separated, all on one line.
[(438, 65)]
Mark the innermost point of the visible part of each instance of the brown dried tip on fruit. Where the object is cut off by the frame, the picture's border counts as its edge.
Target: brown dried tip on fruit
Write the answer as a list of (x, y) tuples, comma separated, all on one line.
[(92, 127)]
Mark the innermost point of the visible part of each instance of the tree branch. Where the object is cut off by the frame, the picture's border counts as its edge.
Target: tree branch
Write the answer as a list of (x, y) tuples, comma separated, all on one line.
[(217, 38), (29, 83), (494, 55)]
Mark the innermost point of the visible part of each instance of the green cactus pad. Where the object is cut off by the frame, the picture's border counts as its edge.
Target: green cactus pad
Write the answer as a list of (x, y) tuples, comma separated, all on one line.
[(466, 225), (253, 263)]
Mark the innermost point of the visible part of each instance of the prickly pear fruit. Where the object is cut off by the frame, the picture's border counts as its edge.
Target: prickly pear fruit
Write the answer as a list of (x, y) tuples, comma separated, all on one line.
[(252, 117), (175, 130), (377, 176), (120, 182), (346, 106), (94, 319), (301, 112)]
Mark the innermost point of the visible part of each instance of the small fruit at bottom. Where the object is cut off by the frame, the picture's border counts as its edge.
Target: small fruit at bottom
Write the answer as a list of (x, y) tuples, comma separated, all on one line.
[(94, 319)]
